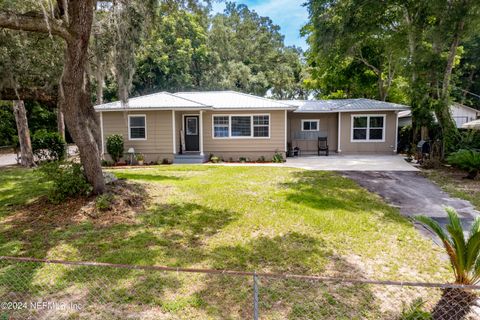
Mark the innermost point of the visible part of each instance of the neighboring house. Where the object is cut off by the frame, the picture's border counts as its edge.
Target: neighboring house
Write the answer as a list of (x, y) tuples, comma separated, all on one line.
[(460, 113), (189, 126)]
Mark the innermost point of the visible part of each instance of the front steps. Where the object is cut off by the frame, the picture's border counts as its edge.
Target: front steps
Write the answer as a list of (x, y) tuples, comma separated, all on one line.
[(189, 158)]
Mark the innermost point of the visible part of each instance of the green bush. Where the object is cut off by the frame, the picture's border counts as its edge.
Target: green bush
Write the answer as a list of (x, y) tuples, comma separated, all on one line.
[(215, 159), (470, 139), (104, 202), (48, 145), (468, 160), (115, 147), (67, 178), (277, 158)]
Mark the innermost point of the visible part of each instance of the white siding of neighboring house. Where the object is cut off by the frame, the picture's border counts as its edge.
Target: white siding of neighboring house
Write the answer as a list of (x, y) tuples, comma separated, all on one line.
[(462, 114)]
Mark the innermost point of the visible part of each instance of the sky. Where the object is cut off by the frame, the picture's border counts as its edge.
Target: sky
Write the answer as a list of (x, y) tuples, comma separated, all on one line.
[(290, 15)]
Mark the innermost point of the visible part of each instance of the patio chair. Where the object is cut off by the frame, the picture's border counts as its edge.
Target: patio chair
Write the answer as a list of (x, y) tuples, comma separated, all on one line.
[(323, 145)]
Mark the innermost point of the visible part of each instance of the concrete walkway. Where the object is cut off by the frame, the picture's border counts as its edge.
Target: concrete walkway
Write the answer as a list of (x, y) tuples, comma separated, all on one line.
[(413, 194), (351, 163)]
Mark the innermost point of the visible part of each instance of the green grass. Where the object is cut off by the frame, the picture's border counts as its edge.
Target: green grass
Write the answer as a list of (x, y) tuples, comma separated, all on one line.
[(243, 218), (452, 181)]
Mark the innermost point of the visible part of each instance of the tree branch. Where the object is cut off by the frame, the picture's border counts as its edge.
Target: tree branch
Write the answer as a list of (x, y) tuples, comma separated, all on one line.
[(47, 97), (35, 22)]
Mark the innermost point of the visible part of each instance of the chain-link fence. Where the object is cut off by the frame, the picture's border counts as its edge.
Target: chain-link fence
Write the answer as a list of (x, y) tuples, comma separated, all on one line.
[(50, 289)]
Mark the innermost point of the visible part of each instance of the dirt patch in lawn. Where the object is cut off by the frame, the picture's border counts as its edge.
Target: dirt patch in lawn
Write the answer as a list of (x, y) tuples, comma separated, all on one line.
[(126, 200), (452, 180)]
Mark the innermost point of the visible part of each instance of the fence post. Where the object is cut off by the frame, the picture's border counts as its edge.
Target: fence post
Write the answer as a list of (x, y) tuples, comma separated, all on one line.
[(255, 296)]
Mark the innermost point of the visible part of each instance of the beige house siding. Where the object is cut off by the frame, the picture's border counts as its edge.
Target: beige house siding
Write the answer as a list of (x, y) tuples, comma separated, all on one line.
[(246, 147), (386, 147), (158, 144), (328, 126)]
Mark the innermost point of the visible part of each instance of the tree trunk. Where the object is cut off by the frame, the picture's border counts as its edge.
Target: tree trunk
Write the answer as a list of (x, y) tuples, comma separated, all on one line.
[(60, 123), (455, 304), (74, 89), (80, 117), (26, 152)]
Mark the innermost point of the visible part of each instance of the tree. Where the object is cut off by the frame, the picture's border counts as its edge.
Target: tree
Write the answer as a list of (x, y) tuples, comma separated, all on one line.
[(355, 35), (72, 22), (253, 57), (464, 254), (26, 152), (374, 34)]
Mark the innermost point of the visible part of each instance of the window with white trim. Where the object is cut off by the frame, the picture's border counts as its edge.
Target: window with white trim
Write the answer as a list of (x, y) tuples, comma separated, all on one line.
[(137, 127), (261, 125), (368, 128), (221, 126), (241, 126), (310, 125)]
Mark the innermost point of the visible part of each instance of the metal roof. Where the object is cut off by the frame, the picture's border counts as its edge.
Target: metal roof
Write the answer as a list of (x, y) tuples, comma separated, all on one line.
[(161, 100), (343, 105), (234, 100)]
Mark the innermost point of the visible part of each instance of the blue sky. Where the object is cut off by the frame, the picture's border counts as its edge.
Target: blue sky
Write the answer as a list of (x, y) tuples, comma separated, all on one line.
[(290, 15)]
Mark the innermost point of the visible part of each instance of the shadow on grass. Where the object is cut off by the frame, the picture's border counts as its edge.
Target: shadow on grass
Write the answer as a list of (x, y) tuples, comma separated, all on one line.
[(317, 189), (154, 177), (173, 234), (19, 186), (281, 298)]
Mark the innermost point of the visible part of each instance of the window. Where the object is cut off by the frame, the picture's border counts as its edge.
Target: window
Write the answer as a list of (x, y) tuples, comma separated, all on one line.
[(220, 126), (261, 126), (241, 126), (310, 125), (137, 127), (192, 126), (368, 128)]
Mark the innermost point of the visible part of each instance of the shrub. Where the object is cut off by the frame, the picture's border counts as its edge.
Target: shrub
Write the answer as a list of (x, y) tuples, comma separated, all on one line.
[(432, 163), (261, 159), (277, 158), (242, 159), (115, 147), (470, 140), (104, 202), (106, 163), (215, 159), (165, 161), (67, 178), (467, 160), (48, 145)]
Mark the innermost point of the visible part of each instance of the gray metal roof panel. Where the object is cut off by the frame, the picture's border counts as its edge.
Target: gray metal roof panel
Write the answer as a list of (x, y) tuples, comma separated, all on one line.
[(234, 100), (160, 100)]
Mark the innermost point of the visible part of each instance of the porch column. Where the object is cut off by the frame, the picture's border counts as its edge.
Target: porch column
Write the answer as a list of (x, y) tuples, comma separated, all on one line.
[(200, 128), (174, 130), (396, 133), (101, 133), (339, 149)]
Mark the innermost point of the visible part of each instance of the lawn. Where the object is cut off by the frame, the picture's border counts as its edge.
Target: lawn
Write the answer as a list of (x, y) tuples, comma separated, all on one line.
[(266, 219), (452, 181)]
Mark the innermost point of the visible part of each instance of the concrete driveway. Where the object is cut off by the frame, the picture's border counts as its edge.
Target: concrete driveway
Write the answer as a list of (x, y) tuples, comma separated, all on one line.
[(8, 159), (351, 163)]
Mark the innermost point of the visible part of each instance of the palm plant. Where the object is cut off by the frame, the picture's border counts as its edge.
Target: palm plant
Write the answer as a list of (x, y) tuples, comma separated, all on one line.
[(464, 254), (468, 160)]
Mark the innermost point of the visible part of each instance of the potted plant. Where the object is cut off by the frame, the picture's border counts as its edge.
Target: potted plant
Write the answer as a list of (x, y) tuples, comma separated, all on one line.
[(140, 158)]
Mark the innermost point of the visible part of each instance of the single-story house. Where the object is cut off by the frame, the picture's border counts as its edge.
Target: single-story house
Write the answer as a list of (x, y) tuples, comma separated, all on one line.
[(460, 113), (190, 126)]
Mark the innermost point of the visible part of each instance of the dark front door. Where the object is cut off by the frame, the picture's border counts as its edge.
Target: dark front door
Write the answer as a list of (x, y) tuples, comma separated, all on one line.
[(191, 133)]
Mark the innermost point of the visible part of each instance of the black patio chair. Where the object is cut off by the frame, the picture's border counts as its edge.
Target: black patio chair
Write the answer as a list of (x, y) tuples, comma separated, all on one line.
[(323, 145)]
